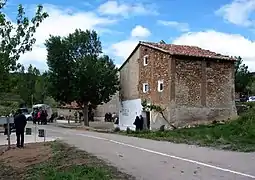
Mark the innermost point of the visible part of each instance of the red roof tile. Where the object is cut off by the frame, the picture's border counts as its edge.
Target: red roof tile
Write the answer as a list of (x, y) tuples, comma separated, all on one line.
[(185, 50)]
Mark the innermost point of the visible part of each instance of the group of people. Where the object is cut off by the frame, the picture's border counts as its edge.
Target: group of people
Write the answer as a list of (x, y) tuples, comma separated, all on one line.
[(39, 116), (110, 117), (139, 123)]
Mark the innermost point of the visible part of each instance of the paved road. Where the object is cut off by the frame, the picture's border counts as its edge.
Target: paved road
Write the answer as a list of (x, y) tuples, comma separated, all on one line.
[(151, 160)]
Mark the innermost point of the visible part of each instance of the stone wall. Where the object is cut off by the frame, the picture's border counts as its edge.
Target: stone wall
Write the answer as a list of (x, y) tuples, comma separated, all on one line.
[(204, 91), (129, 77), (156, 70), (65, 112), (112, 106)]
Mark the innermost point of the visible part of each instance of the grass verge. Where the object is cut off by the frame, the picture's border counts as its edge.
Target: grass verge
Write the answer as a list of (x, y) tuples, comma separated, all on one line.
[(235, 135), (61, 162)]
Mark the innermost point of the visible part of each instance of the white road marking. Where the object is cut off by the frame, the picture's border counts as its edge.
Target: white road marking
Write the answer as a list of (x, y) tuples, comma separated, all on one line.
[(163, 154)]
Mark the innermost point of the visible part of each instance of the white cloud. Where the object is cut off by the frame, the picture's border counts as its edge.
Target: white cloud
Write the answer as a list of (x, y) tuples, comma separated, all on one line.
[(61, 22), (174, 24), (113, 7), (123, 49), (238, 12), (227, 44), (140, 31)]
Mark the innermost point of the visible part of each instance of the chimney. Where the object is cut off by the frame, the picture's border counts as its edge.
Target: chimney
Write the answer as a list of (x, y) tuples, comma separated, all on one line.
[(162, 42)]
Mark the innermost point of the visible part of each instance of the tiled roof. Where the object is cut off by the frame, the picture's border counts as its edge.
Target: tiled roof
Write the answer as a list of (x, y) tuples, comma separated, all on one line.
[(185, 50), (73, 105)]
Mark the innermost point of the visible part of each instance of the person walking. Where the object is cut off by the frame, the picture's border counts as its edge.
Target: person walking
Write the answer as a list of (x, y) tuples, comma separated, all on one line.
[(137, 123), (20, 122)]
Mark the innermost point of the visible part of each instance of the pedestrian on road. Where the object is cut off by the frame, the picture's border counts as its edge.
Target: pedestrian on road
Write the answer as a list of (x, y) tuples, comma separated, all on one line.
[(20, 122), (137, 123)]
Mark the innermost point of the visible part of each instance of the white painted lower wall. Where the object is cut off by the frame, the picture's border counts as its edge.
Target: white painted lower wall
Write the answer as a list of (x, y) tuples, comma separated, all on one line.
[(129, 109)]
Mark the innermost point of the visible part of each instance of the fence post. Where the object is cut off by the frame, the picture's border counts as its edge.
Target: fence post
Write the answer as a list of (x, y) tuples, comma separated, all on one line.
[(8, 132)]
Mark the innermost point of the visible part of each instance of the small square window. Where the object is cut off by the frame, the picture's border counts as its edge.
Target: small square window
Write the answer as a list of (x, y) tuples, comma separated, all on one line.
[(145, 60), (145, 87), (160, 85)]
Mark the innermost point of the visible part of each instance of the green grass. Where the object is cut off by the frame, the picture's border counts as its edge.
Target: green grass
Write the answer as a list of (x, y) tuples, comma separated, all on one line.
[(71, 164), (236, 135)]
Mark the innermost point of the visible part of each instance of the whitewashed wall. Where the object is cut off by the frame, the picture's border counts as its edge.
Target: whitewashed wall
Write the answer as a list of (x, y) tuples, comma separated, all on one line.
[(129, 109)]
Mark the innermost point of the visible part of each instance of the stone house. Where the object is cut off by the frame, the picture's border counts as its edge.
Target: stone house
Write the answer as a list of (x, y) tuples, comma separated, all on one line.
[(191, 84)]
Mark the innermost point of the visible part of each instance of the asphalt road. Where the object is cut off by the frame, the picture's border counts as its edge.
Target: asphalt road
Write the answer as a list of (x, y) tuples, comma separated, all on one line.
[(154, 160)]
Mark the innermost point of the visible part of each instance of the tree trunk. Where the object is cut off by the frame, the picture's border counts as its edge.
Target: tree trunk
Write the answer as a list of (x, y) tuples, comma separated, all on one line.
[(85, 114)]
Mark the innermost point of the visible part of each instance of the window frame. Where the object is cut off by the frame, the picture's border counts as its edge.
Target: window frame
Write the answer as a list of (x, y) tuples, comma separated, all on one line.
[(160, 82), (145, 60), (144, 89)]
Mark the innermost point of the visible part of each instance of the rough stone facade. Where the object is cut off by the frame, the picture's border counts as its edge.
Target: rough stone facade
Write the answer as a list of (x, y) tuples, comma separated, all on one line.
[(157, 69), (204, 91), (195, 89)]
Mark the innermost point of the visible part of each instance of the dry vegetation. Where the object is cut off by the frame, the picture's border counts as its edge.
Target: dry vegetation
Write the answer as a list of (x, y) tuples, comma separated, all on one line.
[(54, 161)]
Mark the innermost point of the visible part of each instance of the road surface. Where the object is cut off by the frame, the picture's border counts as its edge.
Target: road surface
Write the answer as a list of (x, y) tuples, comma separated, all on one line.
[(154, 160)]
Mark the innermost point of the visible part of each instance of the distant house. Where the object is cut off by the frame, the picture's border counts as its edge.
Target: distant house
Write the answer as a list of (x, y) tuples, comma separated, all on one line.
[(193, 85), (110, 107)]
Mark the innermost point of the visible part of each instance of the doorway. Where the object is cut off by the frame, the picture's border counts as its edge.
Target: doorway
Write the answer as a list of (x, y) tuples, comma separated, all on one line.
[(147, 119)]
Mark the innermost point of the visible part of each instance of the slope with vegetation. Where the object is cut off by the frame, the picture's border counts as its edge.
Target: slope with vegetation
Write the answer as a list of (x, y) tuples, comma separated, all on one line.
[(236, 135)]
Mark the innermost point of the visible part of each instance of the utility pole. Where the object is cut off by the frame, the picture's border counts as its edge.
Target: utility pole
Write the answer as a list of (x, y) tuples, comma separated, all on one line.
[(32, 99)]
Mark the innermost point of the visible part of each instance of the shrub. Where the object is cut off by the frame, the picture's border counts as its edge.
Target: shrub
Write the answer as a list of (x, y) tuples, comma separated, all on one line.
[(250, 104), (129, 130), (117, 129), (241, 108)]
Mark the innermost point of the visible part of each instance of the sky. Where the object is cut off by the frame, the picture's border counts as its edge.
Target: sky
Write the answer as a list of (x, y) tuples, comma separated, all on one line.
[(222, 26)]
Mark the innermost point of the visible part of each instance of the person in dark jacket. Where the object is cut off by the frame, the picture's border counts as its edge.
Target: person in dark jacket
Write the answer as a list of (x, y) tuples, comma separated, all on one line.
[(141, 122), (20, 122), (44, 117), (137, 123)]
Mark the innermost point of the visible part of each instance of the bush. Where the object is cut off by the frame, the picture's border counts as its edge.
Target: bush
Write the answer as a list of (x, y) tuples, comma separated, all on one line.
[(250, 104), (241, 108), (129, 130), (117, 129)]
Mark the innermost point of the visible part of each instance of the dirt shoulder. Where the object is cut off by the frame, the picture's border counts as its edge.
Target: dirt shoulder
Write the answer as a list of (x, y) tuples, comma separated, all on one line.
[(54, 160)]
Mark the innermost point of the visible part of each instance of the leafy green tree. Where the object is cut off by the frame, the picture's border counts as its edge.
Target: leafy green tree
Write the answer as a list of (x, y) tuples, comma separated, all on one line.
[(78, 73), (251, 86), (16, 38), (242, 76), (41, 88)]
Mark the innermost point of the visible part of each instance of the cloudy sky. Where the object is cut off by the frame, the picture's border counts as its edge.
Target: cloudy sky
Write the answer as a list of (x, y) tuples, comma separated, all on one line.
[(223, 26)]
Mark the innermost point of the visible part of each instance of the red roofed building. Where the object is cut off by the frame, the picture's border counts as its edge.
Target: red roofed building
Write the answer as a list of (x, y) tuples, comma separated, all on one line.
[(193, 85)]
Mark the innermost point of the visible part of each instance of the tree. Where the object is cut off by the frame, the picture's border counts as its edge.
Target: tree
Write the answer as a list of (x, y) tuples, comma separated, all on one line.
[(242, 76), (78, 73), (31, 86), (16, 38)]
